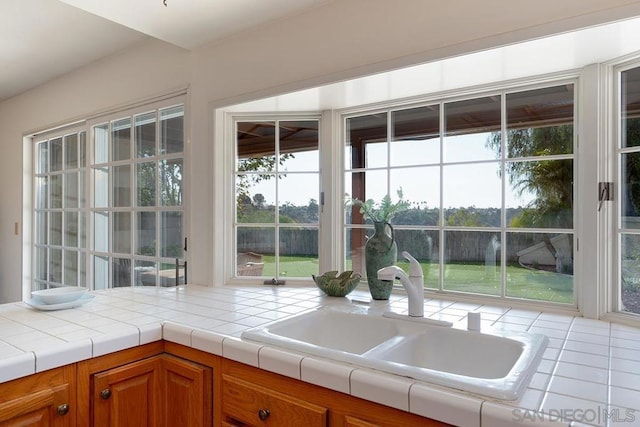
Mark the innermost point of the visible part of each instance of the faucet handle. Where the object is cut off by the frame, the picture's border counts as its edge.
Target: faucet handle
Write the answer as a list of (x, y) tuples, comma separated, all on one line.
[(414, 266)]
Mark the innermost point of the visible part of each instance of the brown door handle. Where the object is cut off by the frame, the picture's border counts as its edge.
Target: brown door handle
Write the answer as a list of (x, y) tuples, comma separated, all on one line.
[(263, 414), (62, 409), (106, 393)]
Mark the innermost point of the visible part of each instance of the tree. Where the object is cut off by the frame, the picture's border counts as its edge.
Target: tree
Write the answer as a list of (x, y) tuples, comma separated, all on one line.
[(549, 181), (266, 164)]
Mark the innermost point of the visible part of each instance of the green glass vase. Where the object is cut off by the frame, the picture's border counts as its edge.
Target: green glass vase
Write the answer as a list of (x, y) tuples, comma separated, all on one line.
[(380, 251)]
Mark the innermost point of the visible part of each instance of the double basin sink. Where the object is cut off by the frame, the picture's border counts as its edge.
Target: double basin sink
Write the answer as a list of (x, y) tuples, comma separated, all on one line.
[(498, 365)]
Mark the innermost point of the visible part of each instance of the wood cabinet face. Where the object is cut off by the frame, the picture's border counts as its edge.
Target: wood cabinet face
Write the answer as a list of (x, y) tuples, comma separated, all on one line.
[(246, 404), (187, 397), (159, 391), (42, 400), (127, 395)]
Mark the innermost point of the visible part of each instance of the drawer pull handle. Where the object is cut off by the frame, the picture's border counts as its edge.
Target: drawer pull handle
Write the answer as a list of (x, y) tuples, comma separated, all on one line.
[(106, 393), (62, 409), (263, 414)]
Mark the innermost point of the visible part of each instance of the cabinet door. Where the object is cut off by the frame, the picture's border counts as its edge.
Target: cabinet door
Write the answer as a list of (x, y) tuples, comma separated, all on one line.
[(187, 397), (128, 395), (246, 404), (43, 399)]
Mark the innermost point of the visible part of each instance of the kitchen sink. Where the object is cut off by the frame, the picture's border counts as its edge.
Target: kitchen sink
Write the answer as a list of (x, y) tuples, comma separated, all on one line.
[(498, 365)]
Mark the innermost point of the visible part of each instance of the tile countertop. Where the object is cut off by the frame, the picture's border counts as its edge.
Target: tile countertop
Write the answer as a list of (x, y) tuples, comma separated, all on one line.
[(589, 374)]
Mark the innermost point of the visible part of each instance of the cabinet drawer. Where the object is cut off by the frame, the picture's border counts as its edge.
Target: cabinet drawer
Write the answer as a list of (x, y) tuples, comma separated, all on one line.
[(244, 403)]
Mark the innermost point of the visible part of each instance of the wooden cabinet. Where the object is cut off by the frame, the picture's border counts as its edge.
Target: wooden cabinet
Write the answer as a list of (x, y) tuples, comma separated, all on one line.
[(43, 399), (187, 399), (127, 395), (166, 384), (246, 391), (156, 390), (246, 404)]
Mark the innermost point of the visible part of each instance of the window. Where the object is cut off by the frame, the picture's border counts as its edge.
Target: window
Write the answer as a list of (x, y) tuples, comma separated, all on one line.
[(131, 232), (60, 214), (628, 221), (490, 182), (277, 193)]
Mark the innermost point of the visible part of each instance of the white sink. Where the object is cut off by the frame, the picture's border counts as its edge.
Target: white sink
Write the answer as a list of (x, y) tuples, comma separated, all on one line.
[(498, 365)]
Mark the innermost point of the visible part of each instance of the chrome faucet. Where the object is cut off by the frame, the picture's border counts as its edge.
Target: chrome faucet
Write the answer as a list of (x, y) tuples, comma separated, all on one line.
[(413, 284)]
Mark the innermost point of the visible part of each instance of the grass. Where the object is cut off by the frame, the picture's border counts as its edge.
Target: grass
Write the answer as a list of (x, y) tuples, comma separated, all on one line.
[(475, 278)]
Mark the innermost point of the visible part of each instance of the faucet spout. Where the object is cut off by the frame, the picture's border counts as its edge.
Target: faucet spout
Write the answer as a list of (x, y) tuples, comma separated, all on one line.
[(413, 283)]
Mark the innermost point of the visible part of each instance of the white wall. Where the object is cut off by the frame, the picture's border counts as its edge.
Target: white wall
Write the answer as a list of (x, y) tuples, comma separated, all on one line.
[(343, 39)]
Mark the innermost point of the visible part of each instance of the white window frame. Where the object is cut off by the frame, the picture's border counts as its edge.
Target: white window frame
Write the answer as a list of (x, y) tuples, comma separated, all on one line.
[(572, 77), (609, 150), (162, 102), (227, 246)]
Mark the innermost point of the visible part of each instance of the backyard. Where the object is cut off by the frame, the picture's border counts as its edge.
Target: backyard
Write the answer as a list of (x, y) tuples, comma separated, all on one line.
[(468, 277)]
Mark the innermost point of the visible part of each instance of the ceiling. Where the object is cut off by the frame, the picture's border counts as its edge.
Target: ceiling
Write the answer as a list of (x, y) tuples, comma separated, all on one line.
[(44, 39)]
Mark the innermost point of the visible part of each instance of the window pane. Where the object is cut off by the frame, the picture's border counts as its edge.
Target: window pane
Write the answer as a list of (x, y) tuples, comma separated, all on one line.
[(42, 159), (101, 187), (256, 147), (121, 139), (55, 198), (255, 196), (630, 190), (298, 252), (100, 272), (416, 136), (55, 151), (423, 245), (121, 275), (42, 263), (472, 202), (145, 135), (101, 231), (55, 265), (71, 268), (256, 249), (630, 273), (540, 266), (55, 235), (145, 273), (82, 156), (421, 188), (472, 262), (122, 232), (82, 279), (172, 130), (71, 151), (122, 186), (630, 107), (146, 183), (42, 228), (366, 144), (540, 122), (298, 195), (472, 128), (71, 190), (539, 194), (71, 229), (171, 242), (171, 173), (42, 198), (146, 231), (83, 226), (101, 143), (299, 146), (364, 186)]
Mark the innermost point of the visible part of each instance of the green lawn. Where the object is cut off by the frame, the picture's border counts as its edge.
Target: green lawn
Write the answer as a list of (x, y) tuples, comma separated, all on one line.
[(475, 278)]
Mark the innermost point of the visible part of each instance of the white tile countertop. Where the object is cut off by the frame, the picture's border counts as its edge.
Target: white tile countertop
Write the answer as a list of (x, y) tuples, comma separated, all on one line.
[(589, 374)]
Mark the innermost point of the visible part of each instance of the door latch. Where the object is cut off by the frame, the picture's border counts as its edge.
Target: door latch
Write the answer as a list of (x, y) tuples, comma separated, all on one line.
[(605, 193)]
